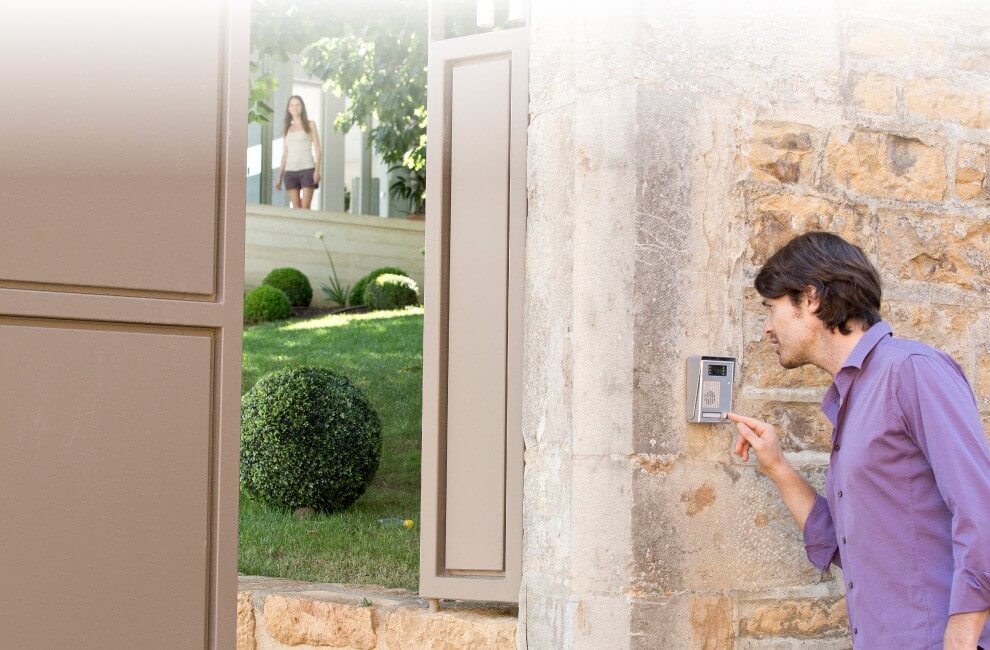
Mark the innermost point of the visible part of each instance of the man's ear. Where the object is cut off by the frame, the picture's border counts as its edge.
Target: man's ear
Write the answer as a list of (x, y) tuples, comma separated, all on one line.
[(814, 300)]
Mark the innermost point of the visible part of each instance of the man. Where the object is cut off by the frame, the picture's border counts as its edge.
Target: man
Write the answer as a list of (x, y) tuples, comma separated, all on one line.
[(906, 510)]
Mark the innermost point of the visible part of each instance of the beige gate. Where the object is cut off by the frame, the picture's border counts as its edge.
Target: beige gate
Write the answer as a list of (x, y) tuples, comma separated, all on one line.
[(121, 267), (475, 233)]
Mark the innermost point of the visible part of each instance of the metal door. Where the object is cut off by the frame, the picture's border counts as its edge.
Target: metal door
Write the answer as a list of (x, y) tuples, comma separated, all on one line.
[(475, 233), (121, 268)]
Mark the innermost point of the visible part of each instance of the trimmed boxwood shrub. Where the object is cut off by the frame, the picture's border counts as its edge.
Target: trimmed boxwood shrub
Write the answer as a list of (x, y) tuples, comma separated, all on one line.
[(356, 296), (391, 292), (309, 438), (266, 303), (294, 283)]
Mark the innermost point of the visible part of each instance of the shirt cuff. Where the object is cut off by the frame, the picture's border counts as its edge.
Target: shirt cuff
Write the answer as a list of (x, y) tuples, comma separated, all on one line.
[(819, 535), (970, 591)]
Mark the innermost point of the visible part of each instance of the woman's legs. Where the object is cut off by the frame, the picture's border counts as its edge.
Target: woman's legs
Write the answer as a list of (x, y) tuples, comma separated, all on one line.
[(294, 198), (307, 197)]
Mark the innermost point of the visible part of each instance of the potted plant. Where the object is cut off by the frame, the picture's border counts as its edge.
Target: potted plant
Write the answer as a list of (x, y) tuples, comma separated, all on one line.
[(410, 186)]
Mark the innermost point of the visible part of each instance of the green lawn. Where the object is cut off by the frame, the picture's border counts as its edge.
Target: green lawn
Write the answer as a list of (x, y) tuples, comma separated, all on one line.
[(382, 353)]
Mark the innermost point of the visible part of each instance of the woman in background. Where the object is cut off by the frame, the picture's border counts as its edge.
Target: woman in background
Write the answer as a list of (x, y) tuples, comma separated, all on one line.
[(300, 170)]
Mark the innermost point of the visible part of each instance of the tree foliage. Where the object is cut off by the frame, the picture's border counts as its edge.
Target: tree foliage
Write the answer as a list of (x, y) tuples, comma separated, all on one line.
[(371, 51)]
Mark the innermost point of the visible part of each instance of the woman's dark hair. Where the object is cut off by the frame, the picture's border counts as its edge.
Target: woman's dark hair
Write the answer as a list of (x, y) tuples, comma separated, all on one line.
[(848, 285), (302, 115)]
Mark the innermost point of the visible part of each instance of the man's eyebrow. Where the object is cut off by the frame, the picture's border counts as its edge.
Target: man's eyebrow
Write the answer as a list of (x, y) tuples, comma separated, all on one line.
[(764, 303)]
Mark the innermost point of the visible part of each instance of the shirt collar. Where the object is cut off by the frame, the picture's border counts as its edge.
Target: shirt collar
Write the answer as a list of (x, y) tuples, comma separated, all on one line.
[(866, 344), (836, 394)]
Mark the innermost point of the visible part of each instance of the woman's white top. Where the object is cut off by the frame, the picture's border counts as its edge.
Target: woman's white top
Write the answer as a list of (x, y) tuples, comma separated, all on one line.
[(300, 148)]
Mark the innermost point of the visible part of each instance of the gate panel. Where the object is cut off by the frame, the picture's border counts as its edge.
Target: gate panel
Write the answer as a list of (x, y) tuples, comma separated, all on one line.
[(105, 482), (471, 535), (110, 145), (121, 271), (478, 278)]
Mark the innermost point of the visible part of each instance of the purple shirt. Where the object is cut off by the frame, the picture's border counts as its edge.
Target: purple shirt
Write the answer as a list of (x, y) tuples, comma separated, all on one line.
[(906, 511)]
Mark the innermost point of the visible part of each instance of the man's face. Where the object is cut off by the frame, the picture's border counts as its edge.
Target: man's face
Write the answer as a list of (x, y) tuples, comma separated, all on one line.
[(792, 329)]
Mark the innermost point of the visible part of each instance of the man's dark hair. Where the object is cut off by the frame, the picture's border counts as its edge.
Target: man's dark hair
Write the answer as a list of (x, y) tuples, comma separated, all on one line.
[(848, 285)]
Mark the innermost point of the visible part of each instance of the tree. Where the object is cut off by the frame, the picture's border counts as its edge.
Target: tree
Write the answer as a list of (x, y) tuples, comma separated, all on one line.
[(371, 51), (381, 68)]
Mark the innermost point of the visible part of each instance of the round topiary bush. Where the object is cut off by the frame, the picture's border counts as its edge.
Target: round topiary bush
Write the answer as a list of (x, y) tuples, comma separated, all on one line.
[(309, 438), (391, 292), (356, 297), (294, 283), (266, 303)]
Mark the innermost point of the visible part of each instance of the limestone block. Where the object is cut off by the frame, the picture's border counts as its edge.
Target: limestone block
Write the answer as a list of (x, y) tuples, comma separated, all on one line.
[(971, 171), (599, 524), (599, 622), (711, 622), (663, 622), (887, 165), (666, 234), (813, 617), (976, 61), (982, 384), (544, 618), (245, 622), (546, 499), (603, 271), (986, 426), (295, 621), (946, 327), (938, 248), (773, 219), (412, 629), (551, 58), (549, 250), (876, 93), (801, 425), (888, 43), (932, 51), (783, 152), (715, 526), (938, 99)]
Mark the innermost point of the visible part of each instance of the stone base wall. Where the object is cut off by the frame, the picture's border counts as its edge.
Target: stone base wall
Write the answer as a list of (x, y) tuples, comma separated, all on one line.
[(277, 237), (275, 614), (673, 148)]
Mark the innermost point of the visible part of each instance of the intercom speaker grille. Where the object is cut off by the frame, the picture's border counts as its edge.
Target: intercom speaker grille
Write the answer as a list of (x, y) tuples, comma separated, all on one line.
[(710, 392)]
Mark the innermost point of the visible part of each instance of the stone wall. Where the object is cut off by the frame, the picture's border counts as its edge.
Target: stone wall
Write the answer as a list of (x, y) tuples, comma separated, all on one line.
[(276, 614), (673, 147)]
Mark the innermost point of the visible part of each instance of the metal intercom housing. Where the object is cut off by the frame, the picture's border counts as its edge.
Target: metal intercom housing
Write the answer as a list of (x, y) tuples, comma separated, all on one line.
[(709, 387)]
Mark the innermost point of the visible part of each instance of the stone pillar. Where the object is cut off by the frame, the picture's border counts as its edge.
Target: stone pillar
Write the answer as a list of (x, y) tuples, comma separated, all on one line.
[(672, 148), (579, 373)]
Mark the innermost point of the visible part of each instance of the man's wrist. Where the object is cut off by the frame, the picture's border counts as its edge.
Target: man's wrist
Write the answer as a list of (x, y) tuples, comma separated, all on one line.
[(781, 473), (963, 630)]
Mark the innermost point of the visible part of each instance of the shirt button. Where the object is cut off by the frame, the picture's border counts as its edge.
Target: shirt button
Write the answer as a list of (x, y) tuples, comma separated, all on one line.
[(840, 494), (836, 447), (855, 630), (843, 540), (850, 585)]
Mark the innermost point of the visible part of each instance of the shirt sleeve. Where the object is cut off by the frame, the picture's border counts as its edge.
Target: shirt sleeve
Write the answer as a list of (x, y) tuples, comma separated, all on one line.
[(819, 536), (942, 416)]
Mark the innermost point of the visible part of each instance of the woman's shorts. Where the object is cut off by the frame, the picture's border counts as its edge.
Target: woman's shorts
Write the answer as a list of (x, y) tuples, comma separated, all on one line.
[(298, 179)]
